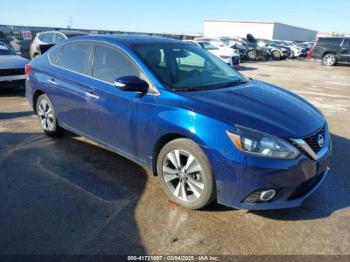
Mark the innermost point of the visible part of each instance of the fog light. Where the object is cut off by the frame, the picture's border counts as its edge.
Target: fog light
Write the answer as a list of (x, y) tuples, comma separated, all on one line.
[(267, 195)]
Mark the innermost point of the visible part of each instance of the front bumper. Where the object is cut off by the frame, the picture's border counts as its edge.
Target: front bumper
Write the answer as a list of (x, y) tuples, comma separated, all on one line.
[(239, 176)]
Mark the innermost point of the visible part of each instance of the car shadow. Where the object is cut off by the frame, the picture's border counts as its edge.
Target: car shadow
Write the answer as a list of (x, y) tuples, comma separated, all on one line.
[(11, 115), (67, 196), (12, 92), (332, 195), (244, 68)]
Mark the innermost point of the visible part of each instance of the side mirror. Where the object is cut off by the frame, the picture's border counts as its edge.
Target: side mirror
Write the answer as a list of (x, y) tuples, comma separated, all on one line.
[(131, 84)]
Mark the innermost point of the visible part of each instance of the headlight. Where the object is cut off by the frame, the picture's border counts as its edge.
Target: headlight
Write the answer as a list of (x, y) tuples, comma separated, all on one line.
[(262, 145), (225, 57), (283, 49)]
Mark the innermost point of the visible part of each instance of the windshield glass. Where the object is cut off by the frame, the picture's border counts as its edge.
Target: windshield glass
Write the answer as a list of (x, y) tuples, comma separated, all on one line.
[(208, 46), (187, 67)]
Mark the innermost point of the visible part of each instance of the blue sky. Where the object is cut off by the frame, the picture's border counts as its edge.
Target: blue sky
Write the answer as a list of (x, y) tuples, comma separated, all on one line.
[(175, 16)]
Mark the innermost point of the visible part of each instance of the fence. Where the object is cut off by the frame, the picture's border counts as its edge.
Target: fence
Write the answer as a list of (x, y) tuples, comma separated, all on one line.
[(23, 35)]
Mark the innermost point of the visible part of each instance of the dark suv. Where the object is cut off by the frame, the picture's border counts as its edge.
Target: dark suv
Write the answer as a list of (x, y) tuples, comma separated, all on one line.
[(332, 50)]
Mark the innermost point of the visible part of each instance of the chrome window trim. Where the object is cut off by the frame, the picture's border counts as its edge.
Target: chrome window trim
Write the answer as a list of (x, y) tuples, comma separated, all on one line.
[(155, 90)]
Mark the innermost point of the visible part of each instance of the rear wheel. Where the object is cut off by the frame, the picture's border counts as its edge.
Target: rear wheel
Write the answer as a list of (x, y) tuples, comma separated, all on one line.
[(329, 60), (47, 116), (185, 174)]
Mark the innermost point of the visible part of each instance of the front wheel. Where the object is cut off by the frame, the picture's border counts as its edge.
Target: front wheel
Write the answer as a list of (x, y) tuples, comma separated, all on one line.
[(329, 60), (252, 55), (47, 116), (185, 174), (276, 55)]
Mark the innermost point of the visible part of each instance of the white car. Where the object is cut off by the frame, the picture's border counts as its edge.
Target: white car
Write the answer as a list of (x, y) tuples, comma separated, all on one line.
[(50, 38), (225, 53), (295, 50), (11, 68)]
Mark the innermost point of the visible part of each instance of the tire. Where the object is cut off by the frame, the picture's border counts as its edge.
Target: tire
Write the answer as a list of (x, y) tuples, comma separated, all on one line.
[(194, 186), (47, 116), (276, 55), (252, 55), (329, 59)]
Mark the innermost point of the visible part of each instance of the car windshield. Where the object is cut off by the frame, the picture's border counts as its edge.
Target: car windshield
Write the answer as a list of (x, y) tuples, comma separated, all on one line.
[(185, 67), (208, 46)]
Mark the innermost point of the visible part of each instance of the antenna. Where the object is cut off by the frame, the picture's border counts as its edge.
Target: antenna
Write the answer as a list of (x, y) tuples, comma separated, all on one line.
[(70, 23)]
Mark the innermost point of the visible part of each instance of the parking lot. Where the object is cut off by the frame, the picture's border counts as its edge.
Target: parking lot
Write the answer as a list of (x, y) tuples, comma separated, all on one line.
[(69, 196)]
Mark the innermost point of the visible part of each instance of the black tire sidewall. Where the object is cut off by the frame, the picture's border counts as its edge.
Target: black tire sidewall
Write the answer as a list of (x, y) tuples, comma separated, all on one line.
[(188, 145)]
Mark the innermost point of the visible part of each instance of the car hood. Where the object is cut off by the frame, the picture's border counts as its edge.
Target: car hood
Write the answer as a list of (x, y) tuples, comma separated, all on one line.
[(12, 61), (260, 106)]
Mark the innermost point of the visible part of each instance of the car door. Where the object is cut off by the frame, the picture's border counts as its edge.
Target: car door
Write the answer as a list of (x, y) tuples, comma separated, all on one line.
[(71, 92), (121, 116), (345, 50)]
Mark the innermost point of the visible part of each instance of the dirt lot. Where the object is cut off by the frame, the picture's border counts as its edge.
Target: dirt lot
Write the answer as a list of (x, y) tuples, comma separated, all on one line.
[(70, 196)]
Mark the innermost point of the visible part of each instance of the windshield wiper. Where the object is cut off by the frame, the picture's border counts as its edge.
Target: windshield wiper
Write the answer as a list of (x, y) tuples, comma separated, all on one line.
[(232, 83), (216, 86), (187, 89)]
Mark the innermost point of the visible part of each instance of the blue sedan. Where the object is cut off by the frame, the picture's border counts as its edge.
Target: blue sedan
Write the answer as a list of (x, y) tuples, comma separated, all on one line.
[(205, 130)]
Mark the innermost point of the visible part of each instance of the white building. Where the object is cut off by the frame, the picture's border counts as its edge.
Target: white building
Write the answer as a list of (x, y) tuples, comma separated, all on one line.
[(265, 30)]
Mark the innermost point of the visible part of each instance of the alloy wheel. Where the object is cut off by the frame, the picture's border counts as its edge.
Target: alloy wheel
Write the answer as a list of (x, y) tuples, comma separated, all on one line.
[(46, 115), (183, 175), (329, 60)]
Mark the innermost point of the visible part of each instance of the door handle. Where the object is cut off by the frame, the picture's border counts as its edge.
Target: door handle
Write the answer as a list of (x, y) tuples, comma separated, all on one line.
[(52, 81), (90, 94)]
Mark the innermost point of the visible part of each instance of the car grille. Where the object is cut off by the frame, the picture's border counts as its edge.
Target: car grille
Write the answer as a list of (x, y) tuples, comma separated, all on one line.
[(305, 187), (12, 72), (312, 140)]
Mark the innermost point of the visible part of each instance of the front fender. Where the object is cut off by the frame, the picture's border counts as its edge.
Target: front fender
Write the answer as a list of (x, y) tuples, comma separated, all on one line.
[(208, 133)]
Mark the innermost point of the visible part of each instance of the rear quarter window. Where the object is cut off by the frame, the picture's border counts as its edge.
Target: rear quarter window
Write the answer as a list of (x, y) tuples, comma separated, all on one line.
[(54, 55)]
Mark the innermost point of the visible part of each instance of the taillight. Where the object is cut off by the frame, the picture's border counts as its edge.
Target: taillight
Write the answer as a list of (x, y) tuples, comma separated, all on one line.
[(27, 70)]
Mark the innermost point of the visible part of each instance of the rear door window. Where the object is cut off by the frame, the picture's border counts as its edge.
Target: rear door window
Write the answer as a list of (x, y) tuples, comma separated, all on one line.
[(77, 57), (110, 64)]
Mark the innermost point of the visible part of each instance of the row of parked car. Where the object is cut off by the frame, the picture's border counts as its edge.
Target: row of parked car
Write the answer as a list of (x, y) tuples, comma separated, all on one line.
[(234, 50), (330, 50)]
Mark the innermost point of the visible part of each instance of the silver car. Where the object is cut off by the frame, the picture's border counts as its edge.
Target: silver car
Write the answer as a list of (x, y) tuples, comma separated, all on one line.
[(50, 38), (11, 68)]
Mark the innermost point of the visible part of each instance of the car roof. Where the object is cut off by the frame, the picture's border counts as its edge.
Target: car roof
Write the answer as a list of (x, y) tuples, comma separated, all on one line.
[(131, 40), (65, 32), (331, 37)]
